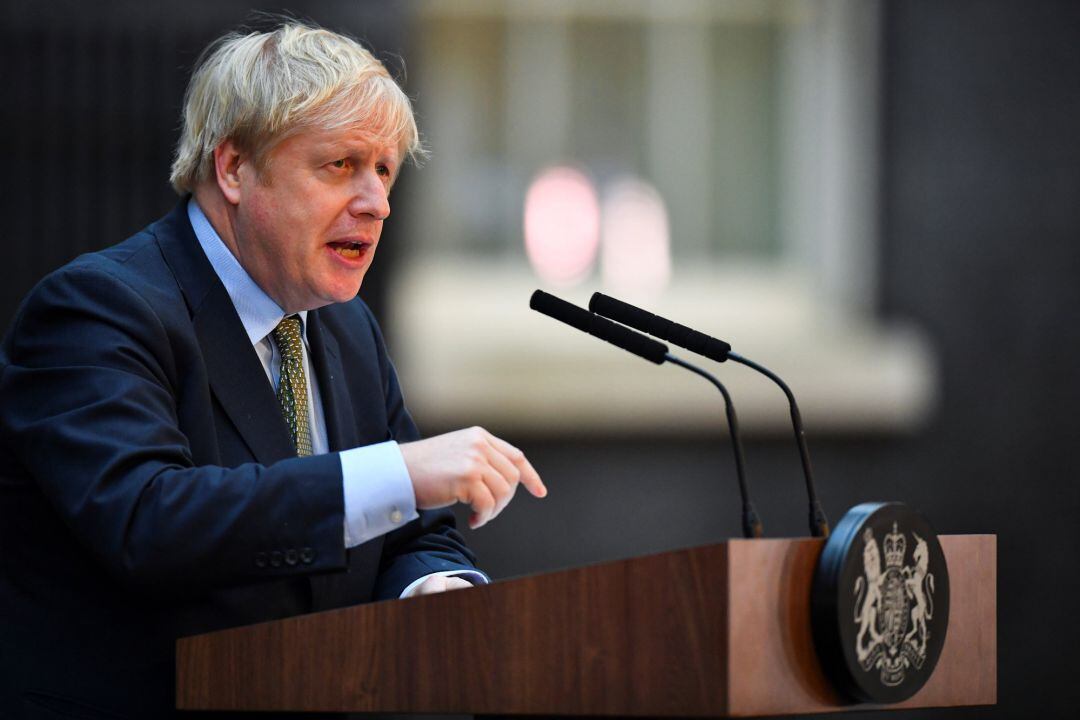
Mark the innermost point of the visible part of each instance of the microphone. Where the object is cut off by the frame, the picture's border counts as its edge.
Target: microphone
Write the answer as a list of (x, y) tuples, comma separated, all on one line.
[(599, 327), (719, 351), (654, 352), (657, 326)]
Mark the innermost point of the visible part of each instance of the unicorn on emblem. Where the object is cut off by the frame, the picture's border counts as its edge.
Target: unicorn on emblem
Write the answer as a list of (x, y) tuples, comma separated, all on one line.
[(920, 587)]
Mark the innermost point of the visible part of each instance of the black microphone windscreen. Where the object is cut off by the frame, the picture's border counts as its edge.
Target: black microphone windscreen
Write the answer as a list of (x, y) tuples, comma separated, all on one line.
[(657, 326), (599, 327)]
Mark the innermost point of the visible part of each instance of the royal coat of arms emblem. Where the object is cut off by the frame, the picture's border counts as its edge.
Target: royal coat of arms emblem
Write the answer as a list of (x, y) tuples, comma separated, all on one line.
[(880, 603), (892, 606)]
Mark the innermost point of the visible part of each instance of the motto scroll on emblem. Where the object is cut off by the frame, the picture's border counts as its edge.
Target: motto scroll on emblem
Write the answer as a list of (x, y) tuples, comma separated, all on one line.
[(892, 607)]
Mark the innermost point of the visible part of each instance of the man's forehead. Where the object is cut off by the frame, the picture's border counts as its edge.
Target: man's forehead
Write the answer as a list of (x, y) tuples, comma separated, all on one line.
[(357, 140)]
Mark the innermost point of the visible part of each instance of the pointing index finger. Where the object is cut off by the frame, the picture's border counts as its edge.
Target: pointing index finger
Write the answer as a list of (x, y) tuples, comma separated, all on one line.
[(529, 477)]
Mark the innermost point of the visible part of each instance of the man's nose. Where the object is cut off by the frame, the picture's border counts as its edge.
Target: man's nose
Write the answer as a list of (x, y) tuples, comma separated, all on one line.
[(371, 197)]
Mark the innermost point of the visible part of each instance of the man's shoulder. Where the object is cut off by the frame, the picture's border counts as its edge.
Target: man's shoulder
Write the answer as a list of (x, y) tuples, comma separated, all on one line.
[(118, 278), (134, 260), (137, 260)]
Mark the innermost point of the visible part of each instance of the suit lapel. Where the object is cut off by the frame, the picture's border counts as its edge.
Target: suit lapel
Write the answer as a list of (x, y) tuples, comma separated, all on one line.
[(239, 382), (326, 361), (344, 430), (342, 397), (236, 376)]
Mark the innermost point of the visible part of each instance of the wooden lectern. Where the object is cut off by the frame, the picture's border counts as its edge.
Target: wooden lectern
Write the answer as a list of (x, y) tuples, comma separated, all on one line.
[(714, 631)]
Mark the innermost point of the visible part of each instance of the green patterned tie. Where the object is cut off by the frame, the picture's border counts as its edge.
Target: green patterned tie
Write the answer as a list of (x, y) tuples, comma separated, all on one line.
[(292, 386)]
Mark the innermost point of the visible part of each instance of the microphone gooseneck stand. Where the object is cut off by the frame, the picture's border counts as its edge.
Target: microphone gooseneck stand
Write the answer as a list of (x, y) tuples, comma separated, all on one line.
[(751, 523), (819, 522), (720, 351), (655, 352)]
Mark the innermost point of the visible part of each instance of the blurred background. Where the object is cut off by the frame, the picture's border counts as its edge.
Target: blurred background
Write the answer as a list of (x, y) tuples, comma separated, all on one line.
[(878, 200)]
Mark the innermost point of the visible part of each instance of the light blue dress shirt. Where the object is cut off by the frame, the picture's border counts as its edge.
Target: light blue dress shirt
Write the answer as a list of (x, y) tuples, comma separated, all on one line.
[(375, 482)]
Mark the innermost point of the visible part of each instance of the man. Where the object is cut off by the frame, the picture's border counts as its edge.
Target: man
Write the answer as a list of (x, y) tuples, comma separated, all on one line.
[(200, 426)]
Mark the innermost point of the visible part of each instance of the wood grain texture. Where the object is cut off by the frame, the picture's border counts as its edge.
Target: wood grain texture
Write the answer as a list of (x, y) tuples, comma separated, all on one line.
[(704, 632), (634, 637), (773, 667), (966, 673)]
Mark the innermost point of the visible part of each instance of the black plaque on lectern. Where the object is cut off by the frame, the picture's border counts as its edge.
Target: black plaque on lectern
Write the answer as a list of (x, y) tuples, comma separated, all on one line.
[(880, 603)]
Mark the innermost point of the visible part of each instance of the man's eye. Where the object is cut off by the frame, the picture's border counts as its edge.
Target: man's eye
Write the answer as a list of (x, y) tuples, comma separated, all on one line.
[(384, 170), (340, 164)]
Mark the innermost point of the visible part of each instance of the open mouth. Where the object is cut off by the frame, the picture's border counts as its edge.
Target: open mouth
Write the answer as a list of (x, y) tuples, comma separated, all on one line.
[(351, 250)]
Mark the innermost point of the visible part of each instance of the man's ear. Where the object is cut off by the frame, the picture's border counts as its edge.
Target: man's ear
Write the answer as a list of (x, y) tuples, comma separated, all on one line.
[(227, 162)]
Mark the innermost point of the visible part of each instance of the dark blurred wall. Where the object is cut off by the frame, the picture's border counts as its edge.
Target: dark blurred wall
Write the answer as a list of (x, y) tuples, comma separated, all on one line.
[(981, 227)]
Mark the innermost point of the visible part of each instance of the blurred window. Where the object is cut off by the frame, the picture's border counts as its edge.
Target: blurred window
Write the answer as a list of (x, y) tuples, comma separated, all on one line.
[(731, 150)]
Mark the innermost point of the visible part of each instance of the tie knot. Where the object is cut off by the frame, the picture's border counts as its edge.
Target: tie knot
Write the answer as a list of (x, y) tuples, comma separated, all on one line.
[(288, 336)]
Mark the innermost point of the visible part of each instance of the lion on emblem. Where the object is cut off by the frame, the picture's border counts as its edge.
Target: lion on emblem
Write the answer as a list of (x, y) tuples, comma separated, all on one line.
[(866, 609)]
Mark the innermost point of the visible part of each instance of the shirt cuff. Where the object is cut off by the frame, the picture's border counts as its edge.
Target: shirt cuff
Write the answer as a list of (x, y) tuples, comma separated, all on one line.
[(378, 493), (474, 576)]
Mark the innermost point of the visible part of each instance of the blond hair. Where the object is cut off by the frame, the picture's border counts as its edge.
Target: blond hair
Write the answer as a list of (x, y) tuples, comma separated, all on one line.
[(260, 88)]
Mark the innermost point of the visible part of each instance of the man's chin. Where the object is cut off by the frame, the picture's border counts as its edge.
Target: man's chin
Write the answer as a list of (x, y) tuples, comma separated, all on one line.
[(332, 297), (344, 294)]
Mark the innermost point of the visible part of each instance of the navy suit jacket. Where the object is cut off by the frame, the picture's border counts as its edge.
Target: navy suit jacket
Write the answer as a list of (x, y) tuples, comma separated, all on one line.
[(148, 485)]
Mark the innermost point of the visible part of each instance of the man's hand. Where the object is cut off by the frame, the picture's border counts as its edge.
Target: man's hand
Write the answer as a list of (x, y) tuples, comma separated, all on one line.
[(440, 583), (470, 466)]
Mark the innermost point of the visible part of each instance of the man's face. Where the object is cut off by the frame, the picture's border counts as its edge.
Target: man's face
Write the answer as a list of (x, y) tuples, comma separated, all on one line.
[(306, 228)]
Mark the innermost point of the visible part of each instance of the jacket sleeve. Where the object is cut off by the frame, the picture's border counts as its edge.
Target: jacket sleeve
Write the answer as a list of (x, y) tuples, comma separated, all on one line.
[(88, 383), (431, 543)]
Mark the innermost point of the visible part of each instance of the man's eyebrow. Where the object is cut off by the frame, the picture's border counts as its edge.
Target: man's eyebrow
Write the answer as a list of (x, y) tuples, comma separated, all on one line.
[(335, 145), (359, 147)]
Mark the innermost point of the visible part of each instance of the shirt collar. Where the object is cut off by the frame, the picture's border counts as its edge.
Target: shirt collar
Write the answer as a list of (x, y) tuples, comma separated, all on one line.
[(258, 312)]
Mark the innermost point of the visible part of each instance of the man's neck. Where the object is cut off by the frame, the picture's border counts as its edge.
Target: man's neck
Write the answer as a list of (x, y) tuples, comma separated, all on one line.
[(220, 215)]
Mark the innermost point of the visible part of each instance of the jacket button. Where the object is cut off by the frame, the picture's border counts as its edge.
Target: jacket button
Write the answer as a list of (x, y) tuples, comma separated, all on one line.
[(307, 556), (275, 559), (291, 556), (260, 559)]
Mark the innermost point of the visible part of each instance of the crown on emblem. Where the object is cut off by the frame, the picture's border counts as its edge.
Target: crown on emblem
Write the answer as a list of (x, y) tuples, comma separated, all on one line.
[(895, 547)]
